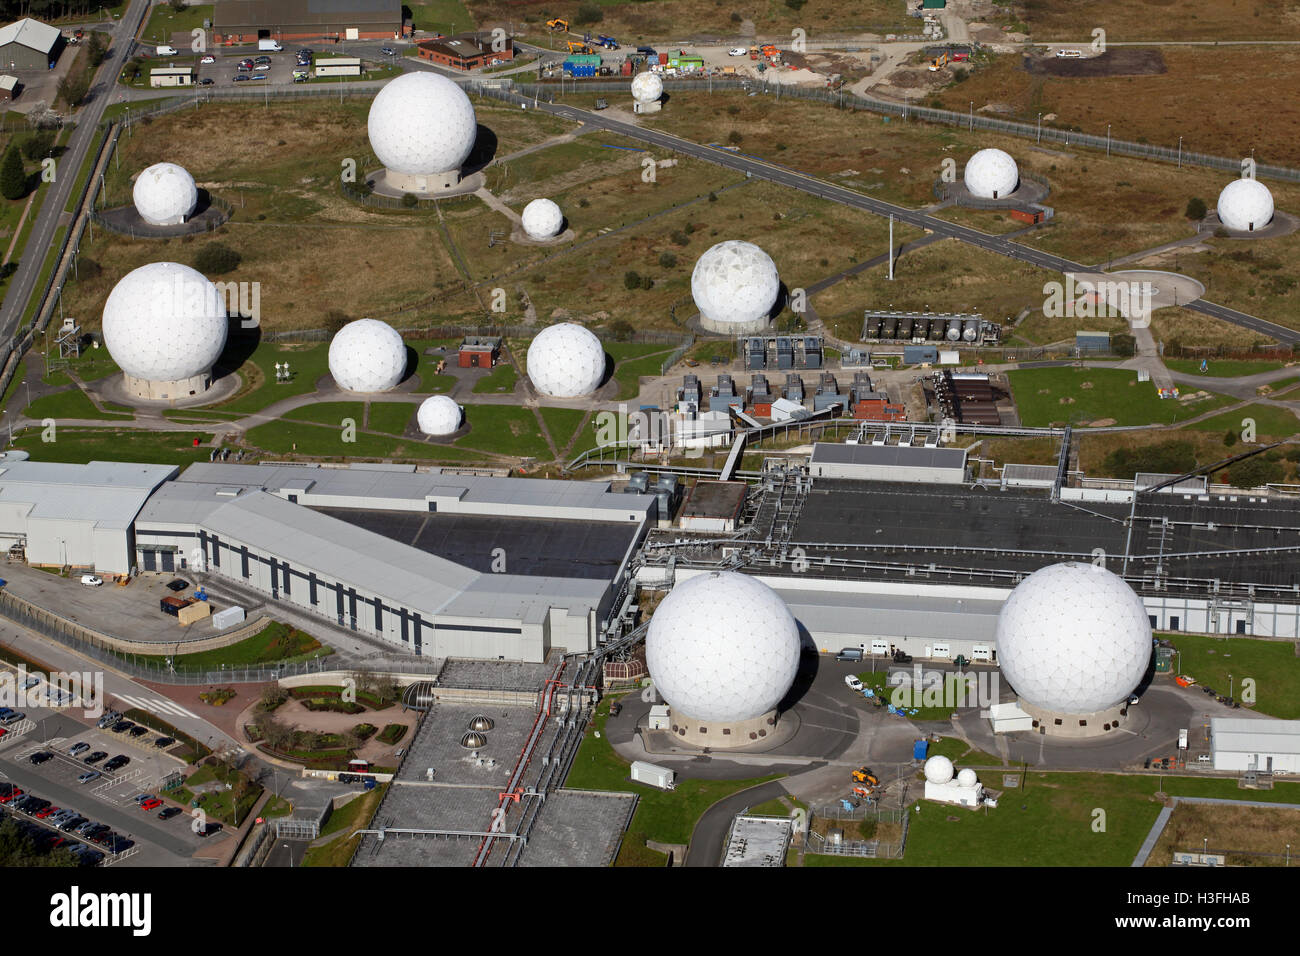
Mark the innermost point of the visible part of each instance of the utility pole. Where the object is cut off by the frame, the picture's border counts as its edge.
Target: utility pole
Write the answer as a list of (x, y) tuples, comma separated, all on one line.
[(891, 247)]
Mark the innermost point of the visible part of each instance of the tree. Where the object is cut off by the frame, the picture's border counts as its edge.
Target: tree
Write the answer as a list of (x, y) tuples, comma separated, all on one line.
[(13, 177), (1254, 472), (73, 88), (177, 5), (334, 321), (1168, 457), (38, 145), (1229, 438), (631, 280), (621, 330), (216, 258), (667, 260), (96, 49), (1195, 208)]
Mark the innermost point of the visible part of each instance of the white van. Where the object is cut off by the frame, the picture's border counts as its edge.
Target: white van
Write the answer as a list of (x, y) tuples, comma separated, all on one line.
[(166, 51), (269, 46), (91, 580)]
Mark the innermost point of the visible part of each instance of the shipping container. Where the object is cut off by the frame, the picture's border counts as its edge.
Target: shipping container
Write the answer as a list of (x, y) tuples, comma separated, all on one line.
[(653, 774)]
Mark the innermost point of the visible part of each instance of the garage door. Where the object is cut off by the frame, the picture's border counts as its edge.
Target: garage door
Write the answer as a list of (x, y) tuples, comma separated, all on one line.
[(168, 561), (150, 559), (941, 650), (980, 652)]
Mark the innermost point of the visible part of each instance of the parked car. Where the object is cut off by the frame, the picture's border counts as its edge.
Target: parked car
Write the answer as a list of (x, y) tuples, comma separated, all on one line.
[(91, 580), (241, 77), (852, 682), (95, 757), (262, 61), (849, 654), (117, 763), (208, 59), (39, 757), (137, 731), (209, 829), (118, 843), (737, 51), (78, 749), (143, 797), (164, 741), (177, 584), (153, 804), (246, 62), (122, 726), (13, 718), (88, 776), (388, 51), (257, 76), (206, 81), (46, 812), (109, 718), (166, 813)]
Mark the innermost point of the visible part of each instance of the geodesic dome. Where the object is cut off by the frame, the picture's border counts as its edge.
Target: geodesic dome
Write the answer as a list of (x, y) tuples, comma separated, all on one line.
[(647, 87), (542, 219), (1073, 638), (723, 646), (1245, 205), (165, 322), (438, 415), (967, 777), (367, 356), (991, 174), (735, 282), (565, 361), (421, 124), (165, 194), (938, 769)]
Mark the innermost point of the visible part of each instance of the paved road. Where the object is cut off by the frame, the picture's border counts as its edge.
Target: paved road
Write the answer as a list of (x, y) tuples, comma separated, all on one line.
[(710, 833), (24, 283)]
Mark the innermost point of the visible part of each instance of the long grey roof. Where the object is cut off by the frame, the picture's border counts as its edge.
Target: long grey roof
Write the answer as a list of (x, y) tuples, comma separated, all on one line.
[(30, 33), (907, 456), (849, 612), (109, 494), (1255, 735), (369, 562)]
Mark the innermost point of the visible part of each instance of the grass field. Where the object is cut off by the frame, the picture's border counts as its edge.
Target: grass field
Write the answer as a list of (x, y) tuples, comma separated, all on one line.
[(1163, 20), (1270, 421), (962, 753), (1261, 836), (275, 642), (164, 22), (72, 403), (1082, 396), (500, 381), (663, 816), (107, 444), (1272, 665), (562, 423), (1221, 368)]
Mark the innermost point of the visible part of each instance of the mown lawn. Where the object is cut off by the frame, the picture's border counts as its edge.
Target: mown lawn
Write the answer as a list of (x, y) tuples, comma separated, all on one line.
[(1270, 421), (1272, 665), (1047, 396), (81, 445)]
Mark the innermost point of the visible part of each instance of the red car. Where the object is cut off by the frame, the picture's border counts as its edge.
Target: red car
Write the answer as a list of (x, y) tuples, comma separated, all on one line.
[(13, 794), (46, 812), (3, 731), (151, 804)]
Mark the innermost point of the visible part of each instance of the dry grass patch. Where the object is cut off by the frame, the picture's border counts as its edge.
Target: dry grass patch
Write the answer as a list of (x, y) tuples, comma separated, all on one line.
[(1259, 834)]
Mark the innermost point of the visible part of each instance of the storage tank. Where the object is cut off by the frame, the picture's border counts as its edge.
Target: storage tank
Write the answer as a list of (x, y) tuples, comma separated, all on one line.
[(936, 330), (871, 329), (954, 330), (971, 330), (889, 327), (904, 328)]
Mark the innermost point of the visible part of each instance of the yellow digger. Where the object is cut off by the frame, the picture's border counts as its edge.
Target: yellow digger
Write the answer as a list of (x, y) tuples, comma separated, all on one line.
[(864, 775), (560, 25)]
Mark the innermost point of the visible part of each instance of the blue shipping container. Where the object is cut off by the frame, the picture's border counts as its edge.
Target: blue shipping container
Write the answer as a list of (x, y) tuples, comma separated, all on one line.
[(919, 749)]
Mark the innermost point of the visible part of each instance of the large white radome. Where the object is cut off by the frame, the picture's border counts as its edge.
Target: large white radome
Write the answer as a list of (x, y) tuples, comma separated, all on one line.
[(1073, 638), (991, 174), (565, 361), (647, 87), (438, 415), (723, 646), (1245, 205), (735, 282), (421, 124), (542, 219), (165, 194), (938, 769), (367, 356), (164, 322)]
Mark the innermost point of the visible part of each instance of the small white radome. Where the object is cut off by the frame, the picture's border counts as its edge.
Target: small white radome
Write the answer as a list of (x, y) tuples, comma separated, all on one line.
[(438, 415), (165, 194), (991, 174), (735, 282), (542, 219), (1245, 205), (647, 87)]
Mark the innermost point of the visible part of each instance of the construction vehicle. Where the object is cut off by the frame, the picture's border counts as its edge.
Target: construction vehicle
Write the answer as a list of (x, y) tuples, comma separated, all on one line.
[(864, 775), (558, 25), (901, 658), (753, 53), (939, 62), (576, 47), (602, 103), (607, 41)]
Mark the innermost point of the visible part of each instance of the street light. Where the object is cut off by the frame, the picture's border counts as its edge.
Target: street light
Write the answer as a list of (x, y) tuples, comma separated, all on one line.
[(1040, 128)]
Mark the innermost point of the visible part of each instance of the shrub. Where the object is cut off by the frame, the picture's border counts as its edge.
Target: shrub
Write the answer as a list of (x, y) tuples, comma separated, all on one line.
[(713, 197), (1195, 208), (667, 260), (334, 321), (88, 268), (680, 238), (589, 13), (38, 145), (621, 330), (734, 137), (1255, 471), (736, 17), (1229, 438), (631, 280), (410, 200), (216, 258), (795, 4)]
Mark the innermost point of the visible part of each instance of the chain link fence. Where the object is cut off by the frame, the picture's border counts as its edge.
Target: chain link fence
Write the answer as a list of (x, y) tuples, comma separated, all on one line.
[(816, 842)]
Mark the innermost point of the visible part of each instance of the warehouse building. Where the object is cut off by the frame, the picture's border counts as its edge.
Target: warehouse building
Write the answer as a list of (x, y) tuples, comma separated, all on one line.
[(1241, 744), (172, 76), (247, 21), (908, 463), (470, 51), (442, 565), (338, 66), (29, 45), (79, 516)]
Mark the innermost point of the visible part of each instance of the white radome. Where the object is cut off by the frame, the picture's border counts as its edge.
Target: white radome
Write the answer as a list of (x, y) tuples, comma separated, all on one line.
[(165, 322), (723, 646), (421, 124), (991, 174), (1245, 205), (542, 219), (438, 415), (938, 769), (565, 361), (367, 356), (647, 87), (967, 777), (1074, 639), (735, 282), (165, 194)]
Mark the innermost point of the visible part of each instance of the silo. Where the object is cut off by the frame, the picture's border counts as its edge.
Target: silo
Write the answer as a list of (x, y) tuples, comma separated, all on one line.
[(954, 330), (971, 330)]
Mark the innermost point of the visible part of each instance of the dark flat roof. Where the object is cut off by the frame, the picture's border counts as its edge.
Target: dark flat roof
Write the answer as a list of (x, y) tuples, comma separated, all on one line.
[(715, 499), (532, 546), (908, 456), (228, 14)]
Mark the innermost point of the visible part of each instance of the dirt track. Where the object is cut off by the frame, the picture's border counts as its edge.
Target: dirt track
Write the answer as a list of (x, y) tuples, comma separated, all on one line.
[(1126, 61)]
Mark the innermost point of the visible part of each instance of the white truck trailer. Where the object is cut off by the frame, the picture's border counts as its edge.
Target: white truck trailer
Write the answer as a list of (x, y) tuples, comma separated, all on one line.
[(653, 775)]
